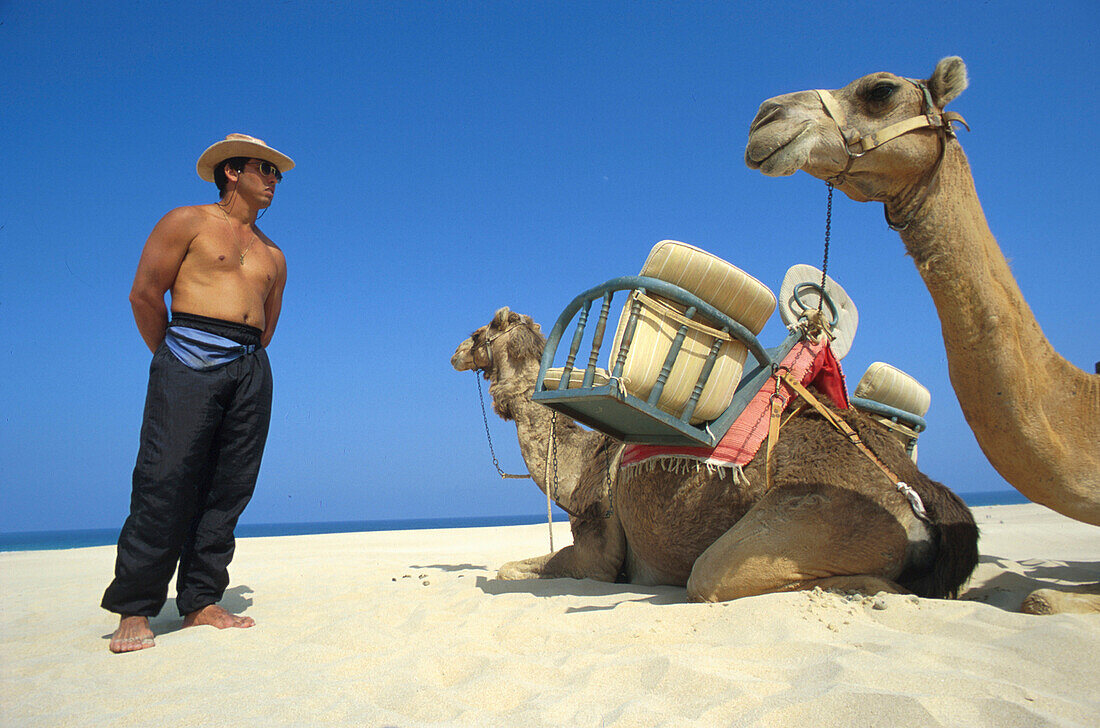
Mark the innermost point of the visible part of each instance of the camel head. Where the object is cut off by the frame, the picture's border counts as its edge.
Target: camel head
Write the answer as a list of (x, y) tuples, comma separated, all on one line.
[(510, 339), (846, 136)]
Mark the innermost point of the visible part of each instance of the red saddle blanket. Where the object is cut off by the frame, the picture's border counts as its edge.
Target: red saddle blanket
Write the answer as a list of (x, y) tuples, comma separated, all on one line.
[(811, 364)]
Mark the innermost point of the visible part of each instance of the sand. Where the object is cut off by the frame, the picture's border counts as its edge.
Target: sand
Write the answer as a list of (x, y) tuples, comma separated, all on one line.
[(410, 628)]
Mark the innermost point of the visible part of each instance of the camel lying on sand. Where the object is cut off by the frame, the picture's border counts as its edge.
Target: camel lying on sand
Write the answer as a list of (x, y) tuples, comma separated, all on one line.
[(886, 138), (831, 519)]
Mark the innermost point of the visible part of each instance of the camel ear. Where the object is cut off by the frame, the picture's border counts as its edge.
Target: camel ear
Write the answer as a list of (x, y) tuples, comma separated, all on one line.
[(948, 80), (529, 323), (502, 317)]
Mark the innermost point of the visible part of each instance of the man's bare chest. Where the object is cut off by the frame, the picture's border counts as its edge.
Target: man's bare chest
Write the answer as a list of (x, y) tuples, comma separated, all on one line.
[(217, 253)]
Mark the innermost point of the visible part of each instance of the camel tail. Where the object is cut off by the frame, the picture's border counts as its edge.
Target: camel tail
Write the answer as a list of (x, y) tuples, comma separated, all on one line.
[(955, 543)]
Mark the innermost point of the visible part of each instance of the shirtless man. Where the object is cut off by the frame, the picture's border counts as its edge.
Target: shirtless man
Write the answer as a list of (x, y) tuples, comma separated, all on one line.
[(209, 399)]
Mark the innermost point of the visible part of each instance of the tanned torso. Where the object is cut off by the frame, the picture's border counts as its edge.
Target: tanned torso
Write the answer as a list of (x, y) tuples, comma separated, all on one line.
[(195, 254), (211, 280)]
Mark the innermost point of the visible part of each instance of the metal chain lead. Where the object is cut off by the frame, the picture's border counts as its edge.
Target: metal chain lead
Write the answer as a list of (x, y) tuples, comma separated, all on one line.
[(828, 234), (485, 419)]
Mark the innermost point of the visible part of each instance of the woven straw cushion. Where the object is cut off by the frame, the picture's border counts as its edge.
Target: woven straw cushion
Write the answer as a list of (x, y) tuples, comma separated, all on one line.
[(724, 286), (789, 310), (576, 377), (891, 386)]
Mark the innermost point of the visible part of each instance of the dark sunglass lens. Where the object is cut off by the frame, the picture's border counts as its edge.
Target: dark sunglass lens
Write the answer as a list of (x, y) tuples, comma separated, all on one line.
[(267, 169)]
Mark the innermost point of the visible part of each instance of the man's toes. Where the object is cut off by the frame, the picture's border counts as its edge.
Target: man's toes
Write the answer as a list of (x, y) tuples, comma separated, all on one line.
[(130, 644)]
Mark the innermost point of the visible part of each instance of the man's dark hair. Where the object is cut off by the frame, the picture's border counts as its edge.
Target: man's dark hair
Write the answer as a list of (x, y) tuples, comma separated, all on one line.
[(220, 179)]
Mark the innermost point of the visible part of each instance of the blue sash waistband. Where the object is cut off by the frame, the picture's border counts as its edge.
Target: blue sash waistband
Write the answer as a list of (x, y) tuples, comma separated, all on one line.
[(240, 333), (202, 350)]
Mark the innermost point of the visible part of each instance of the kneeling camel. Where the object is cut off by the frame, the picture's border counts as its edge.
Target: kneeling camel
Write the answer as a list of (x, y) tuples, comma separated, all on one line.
[(830, 519)]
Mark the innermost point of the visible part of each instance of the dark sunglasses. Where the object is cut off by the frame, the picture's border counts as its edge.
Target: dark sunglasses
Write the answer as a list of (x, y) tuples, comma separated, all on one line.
[(267, 169)]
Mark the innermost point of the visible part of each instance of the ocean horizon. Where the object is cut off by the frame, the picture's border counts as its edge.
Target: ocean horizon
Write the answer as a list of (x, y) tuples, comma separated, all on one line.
[(83, 538)]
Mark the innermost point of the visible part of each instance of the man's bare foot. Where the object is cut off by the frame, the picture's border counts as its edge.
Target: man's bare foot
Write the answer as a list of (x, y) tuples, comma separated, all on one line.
[(133, 633), (215, 616)]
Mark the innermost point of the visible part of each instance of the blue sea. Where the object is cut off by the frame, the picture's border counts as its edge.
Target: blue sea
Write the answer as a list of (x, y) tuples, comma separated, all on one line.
[(41, 540)]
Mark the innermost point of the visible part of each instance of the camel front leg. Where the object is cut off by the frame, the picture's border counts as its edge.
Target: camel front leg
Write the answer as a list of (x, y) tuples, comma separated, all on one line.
[(598, 550), (798, 538)]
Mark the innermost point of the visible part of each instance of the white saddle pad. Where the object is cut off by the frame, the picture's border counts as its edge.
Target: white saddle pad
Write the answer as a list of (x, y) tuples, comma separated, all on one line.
[(789, 309)]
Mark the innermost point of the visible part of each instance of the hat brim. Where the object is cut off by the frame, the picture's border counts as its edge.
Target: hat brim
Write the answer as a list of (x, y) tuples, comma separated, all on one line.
[(228, 148)]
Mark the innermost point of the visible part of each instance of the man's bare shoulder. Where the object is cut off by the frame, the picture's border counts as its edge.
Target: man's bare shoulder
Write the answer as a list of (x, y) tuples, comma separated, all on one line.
[(195, 212), (186, 221), (269, 243)]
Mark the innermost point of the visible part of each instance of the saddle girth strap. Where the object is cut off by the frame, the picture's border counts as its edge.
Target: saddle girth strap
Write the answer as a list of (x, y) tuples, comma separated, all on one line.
[(845, 429)]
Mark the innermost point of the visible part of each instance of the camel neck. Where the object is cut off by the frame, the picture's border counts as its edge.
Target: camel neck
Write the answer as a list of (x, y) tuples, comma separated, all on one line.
[(964, 268), (1023, 401), (574, 446), (512, 400)]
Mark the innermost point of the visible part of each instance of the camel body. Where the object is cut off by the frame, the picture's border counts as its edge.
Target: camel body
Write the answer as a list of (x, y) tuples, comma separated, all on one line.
[(830, 519), (1035, 416)]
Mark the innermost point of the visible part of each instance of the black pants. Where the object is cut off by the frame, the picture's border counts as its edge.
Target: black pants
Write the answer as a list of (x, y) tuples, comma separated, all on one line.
[(202, 440)]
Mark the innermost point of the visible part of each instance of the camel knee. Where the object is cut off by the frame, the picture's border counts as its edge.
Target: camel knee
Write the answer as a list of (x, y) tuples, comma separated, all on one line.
[(722, 585), (701, 590)]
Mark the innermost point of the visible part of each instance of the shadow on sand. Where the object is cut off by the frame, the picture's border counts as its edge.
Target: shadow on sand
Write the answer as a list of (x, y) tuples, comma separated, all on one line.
[(1008, 589), (584, 588), (451, 567)]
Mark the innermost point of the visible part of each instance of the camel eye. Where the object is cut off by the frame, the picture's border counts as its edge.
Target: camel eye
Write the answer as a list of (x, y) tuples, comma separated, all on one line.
[(881, 92)]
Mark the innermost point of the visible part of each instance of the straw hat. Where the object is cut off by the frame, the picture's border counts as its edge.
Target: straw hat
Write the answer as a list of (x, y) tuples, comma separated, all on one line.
[(240, 145)]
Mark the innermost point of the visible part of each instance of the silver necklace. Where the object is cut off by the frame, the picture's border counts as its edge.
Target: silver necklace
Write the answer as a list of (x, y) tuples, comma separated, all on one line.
[(237, 237)]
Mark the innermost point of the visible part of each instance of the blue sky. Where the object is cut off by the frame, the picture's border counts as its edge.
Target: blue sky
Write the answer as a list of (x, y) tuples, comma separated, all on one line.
[(457, 157)]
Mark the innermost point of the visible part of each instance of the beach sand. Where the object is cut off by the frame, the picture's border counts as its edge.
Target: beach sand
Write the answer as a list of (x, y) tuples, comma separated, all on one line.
[(410, 628)]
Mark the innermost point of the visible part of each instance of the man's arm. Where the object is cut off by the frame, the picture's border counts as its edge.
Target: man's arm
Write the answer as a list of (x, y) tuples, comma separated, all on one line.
[(274, 303), (156, 272)]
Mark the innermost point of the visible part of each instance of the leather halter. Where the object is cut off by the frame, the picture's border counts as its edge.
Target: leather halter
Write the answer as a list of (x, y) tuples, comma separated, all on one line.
[(857, 145), (488, 344)]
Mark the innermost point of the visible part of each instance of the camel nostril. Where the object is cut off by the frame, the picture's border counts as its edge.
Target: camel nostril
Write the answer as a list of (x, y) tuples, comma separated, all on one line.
[(768, 113)]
